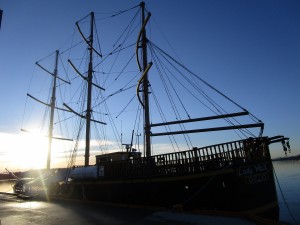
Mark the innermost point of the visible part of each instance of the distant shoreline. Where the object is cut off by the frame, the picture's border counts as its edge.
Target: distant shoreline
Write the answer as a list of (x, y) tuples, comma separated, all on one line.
[(286, 158)]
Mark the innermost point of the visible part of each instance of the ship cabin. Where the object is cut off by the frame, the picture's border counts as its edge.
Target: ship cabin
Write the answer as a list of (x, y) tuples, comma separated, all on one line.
[(117, 156)]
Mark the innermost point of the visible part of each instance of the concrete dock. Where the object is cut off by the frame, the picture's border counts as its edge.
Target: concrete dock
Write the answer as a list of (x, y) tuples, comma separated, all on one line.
[(18, 212)]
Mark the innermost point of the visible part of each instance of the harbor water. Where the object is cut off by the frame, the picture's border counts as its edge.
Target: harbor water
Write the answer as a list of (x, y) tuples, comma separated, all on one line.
[(288, 189), (287, 182)]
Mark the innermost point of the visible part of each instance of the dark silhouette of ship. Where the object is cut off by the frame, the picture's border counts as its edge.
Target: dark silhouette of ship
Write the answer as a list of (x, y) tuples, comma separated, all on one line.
[(235, 176)]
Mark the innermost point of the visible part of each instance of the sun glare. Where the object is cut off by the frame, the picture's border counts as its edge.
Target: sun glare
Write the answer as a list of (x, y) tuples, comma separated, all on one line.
[(23, 151), (33, 152)]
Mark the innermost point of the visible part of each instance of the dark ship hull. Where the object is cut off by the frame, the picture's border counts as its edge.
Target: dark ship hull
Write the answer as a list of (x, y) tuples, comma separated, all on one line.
[(235, 177)]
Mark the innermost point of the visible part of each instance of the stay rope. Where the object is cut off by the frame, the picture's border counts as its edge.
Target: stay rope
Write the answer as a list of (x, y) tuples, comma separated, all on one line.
[(168, 92), (193, 84), (203, 81)]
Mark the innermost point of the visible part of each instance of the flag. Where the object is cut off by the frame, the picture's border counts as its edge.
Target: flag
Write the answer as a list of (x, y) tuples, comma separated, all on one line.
[(1, 12)]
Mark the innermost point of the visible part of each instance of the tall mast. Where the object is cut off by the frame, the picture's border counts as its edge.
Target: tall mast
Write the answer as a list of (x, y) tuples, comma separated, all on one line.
[(52, 107), (147, 128), (89, 96)]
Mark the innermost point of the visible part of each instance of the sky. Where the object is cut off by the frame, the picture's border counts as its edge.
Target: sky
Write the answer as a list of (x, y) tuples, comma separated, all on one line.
[(250, 50)]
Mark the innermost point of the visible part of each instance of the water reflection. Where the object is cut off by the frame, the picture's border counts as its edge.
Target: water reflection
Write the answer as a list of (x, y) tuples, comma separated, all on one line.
[(289, 179), (288, 190)]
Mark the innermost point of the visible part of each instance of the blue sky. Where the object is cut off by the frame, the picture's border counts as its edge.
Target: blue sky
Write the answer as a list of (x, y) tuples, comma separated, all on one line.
[(250, 50)]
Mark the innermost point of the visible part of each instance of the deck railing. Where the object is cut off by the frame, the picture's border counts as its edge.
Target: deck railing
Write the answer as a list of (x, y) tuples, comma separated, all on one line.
[(197, 160)]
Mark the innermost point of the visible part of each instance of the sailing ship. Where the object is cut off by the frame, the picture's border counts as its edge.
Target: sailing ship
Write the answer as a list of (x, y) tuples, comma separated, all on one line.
[(235, 176)]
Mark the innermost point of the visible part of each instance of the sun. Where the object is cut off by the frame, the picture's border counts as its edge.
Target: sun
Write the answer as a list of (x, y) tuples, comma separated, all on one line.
[(32, 151), (24, 150)]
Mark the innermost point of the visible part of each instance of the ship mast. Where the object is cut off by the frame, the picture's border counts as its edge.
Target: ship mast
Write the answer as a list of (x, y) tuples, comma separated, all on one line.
[(89, 95), (147, 128), (52, 107), (89, 80)]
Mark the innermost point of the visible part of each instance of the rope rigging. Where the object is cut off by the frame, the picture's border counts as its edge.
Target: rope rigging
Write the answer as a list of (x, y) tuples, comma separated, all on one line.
[(218, 108), (175, 110), (107, 76), (47, 87), (114, 14), (122, 71), (125, 106), (161, 69), (129, 30), (115, 50), (171, 137), (199, 78)]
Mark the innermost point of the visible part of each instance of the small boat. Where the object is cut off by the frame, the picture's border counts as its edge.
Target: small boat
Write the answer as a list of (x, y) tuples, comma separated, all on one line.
[(171, 109)]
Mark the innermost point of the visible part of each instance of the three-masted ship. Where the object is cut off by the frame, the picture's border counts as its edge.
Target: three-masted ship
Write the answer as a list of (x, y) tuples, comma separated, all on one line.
[(232, 176)]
